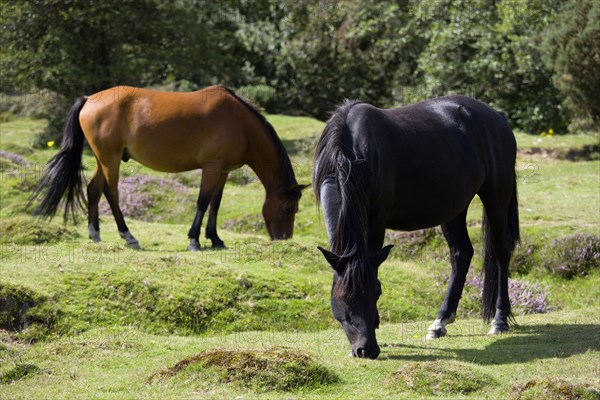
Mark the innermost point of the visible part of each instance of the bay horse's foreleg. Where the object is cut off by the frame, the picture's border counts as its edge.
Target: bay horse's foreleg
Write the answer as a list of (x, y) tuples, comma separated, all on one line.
[(94, 193), (111, 191), (461, 253), (213, 210), (211, 176)]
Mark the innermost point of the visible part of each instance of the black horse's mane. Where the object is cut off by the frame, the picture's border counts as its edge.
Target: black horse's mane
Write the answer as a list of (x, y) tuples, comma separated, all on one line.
[(286, 165), (336, 159)]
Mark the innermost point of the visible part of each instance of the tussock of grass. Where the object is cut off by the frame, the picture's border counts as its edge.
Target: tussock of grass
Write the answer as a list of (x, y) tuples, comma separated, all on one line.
[(19, 372), (554, 389), (252, 223), (439, 378), (279, 368), (30, 231), (22, 308)]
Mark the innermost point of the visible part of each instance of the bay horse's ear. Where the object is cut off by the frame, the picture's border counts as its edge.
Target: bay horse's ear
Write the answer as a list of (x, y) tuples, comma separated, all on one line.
[(337, 263), (378, 258), (298, 188)]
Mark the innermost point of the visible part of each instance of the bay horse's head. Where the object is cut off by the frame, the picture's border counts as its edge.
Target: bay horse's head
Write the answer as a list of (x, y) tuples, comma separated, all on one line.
[(279, 212), (354, 296)]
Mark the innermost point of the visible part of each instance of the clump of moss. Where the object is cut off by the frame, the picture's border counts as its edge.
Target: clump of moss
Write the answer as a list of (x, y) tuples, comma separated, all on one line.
[(439, 378), (554, 389), (278, 368), (20, 371), (30, 231)]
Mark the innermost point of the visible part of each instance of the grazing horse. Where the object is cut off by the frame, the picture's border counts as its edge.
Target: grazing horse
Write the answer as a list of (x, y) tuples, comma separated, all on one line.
[(410, 168), (212, 129)]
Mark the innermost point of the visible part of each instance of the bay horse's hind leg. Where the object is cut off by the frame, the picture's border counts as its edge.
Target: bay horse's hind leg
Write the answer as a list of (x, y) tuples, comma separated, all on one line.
[(111, 191), (461, 253), (213, 210), (212, 175), (94, 193)]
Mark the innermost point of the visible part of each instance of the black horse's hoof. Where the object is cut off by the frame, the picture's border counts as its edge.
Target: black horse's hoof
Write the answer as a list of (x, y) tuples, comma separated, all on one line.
[(194, 245), (498, 328), (436, 333), (218, 245)]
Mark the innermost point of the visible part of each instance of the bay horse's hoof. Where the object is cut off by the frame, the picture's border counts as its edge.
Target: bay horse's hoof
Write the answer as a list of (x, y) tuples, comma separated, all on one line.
[(194, 245), (93, 233), (498, 328), (218, 245), (436, 333)]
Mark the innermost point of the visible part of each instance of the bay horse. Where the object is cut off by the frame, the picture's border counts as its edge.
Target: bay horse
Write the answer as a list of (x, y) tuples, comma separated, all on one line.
[(409, 168), (212, 129)]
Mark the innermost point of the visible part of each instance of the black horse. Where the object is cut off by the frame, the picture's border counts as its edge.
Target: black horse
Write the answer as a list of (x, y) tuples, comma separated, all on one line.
[(410, 168)]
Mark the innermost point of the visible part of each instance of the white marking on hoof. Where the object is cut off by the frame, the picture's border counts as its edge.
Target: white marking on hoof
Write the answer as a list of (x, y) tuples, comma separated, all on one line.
[(498, 328), (438, 328), (132, 242), (93, 233)]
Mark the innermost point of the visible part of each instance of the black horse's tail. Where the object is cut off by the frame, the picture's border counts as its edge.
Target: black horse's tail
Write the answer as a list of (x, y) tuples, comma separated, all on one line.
[(490, 262), (63, 175)]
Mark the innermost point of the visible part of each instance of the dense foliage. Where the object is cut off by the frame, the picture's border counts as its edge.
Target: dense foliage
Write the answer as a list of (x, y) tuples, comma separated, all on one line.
[(304, 57)]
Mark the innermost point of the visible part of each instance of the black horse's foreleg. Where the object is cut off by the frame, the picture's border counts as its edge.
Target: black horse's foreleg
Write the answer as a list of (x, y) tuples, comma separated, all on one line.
[(211, 225), (461, 253)]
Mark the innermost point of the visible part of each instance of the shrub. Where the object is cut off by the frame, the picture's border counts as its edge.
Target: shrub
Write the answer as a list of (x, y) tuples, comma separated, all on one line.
[(262, 96), (574, 255), (525, 298)]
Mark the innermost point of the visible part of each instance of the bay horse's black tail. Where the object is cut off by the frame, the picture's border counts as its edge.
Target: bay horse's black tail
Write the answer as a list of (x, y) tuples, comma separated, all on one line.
[(490, 261), (63, 175)]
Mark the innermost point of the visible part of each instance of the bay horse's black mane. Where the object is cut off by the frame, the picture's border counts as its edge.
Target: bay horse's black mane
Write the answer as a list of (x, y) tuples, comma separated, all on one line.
[(338, 161), (286, 165)]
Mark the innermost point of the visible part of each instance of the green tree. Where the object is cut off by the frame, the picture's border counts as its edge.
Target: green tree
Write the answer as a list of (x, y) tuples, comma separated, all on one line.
[(78, 47), (492, 53), (571, 50)]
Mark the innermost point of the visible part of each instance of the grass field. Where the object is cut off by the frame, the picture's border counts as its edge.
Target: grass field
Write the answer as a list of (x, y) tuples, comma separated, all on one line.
[(83, 320)]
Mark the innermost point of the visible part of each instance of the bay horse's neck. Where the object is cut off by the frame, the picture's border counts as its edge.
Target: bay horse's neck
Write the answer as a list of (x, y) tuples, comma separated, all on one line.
[(269, 160)]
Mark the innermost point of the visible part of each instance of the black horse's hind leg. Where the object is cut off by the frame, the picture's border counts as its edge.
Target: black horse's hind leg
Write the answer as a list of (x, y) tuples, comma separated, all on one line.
[(211, 176), (211, 225), (94, 193), (497, 257), (461, 252)]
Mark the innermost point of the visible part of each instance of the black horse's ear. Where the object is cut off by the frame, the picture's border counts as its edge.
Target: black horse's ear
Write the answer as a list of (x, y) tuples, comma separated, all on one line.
[(378, 258), (337, 263)]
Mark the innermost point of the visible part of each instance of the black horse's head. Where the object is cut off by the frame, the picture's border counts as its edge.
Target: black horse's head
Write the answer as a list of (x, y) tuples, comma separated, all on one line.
[(354, 296)]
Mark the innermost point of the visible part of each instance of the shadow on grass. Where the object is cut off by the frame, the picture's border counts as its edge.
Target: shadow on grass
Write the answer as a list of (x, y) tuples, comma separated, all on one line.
[(529, 342)]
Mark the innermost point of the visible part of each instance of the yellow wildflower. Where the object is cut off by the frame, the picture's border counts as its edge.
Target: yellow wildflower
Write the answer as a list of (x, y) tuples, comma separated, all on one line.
[(51, 143)]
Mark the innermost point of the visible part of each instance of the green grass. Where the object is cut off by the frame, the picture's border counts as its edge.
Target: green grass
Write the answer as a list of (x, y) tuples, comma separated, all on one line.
[(84, 320)]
